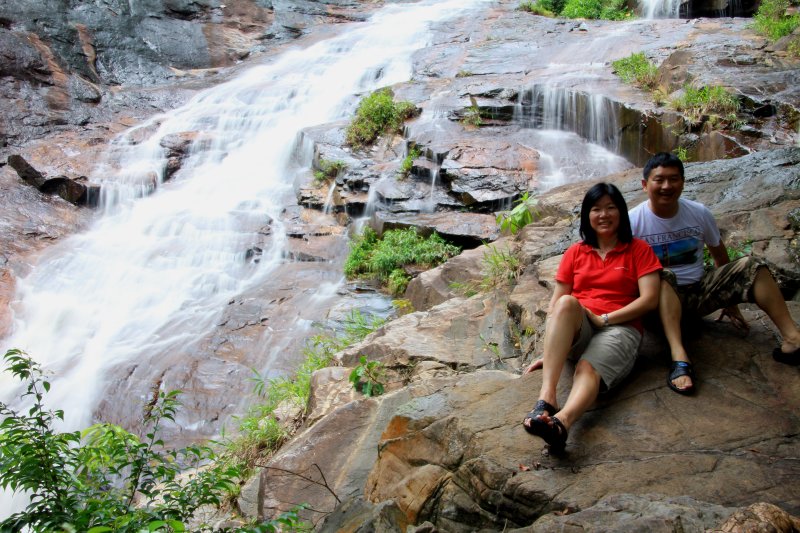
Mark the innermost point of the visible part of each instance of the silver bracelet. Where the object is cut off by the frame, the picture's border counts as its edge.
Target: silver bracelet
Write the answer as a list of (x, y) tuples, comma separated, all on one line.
[(604, 316)]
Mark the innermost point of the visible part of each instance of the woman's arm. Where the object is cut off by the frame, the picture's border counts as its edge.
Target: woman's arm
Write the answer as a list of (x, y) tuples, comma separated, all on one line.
[(647, 301)]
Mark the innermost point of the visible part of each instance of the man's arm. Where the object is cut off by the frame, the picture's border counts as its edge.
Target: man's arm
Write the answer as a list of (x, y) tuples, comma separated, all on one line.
[(719, 254)]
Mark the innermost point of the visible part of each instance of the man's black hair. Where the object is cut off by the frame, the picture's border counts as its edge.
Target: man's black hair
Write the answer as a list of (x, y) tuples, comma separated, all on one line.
[(662, 159), (589, 235)]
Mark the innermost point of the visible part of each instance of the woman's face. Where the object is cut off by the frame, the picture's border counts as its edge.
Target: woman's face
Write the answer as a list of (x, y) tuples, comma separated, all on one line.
[(604, 217)]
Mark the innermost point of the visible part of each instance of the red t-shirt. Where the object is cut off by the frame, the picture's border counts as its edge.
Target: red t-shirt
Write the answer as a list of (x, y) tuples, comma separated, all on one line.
[(603, 286)]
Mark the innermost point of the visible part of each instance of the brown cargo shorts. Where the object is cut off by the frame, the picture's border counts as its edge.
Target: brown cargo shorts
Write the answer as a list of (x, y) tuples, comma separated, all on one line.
[(719, 288)]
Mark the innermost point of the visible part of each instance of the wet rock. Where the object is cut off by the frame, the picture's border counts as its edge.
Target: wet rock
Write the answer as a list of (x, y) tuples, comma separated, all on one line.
[(179, 145), (467, 230), (487, 171), (68, 189)]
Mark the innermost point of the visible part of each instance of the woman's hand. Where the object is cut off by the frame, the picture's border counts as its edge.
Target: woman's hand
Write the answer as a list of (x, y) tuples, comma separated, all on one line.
[(596, 320), (536, 364)]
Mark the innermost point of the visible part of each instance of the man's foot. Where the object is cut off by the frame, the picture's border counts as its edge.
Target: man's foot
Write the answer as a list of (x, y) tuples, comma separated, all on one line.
[(787, 358), (681, 377)]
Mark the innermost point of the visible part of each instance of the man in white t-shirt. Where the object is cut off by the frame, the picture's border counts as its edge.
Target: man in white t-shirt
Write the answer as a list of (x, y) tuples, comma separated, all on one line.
[(677, 229)]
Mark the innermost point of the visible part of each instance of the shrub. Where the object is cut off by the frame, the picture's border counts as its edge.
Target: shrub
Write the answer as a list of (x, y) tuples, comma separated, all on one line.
[(367, 377), (408, 161), (543, 8), (520, 216), (260, 432), (328, 170), (105, 478), (381, 257), (636, 69), (772, 21), (595, 9), (377, 114), (714, 101)]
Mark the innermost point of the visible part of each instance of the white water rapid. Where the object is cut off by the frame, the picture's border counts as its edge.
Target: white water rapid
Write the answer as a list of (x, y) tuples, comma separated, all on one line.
[(155, 271), (661, 9)]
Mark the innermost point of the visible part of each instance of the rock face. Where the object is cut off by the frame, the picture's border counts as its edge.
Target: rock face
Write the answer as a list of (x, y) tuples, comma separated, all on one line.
[(444, 449), (448, 448)]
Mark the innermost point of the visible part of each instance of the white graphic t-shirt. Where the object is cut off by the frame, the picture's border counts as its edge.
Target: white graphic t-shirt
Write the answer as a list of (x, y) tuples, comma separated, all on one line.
[(678, 241)]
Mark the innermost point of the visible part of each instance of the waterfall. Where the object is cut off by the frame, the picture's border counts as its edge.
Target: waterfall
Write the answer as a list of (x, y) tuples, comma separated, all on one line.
[(155, 271), (575, 133), (661, 9)]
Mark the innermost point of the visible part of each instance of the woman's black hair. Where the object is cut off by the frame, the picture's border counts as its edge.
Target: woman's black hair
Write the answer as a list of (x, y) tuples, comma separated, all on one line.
[(589, 235)]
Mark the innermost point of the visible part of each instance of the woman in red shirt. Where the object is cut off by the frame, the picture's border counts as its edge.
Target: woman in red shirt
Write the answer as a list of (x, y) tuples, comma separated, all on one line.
[(604, 284)]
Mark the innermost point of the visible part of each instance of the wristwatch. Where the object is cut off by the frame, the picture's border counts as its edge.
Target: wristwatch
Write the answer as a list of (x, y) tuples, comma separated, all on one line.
[(604, 316)]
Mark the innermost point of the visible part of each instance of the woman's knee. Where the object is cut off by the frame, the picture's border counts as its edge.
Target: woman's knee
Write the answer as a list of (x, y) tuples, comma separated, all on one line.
[(567, 304), (585, 368)]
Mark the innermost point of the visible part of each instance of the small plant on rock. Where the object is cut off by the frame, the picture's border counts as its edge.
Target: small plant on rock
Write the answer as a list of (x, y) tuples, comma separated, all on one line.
[(537, 8), (500, 267), (520, 216), (328, 170), (385, 258), (378, 113), (714, 102), (772, 20), (637, 69), (408, 161), (367, 378)]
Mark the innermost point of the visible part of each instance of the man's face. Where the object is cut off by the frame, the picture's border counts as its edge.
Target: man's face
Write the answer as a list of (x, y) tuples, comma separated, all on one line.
[(663, 187)]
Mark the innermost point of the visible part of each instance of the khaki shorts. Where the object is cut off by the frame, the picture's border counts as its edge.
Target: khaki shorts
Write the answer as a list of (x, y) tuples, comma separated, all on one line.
[(722, 287), (610, 350)]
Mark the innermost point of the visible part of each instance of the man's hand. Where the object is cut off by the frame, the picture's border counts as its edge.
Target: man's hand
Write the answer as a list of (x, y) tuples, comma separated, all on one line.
[(735, 316), (536, 364)]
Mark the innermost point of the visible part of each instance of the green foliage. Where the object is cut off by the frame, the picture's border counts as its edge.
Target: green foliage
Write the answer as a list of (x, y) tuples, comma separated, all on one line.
[(382, 257), (637, 69), (367, 377), (328, 170), (520, 216), (472, 116), (713, 101), (104, 479), (377, 114), (260, 432), (466, 289), (735, 252), (288, 521), (543, 8), (408, 161), (500, 267), (403, 306), (397, 282), (595, 9), (682, 154), (772, 21)]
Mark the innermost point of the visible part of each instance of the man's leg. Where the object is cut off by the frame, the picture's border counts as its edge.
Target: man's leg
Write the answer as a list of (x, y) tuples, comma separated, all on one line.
[(670, 312), (768, 297)]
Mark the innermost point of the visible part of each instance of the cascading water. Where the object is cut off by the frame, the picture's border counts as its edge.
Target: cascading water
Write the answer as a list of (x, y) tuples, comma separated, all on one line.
[(155, 271), (576, 134), (661, 9)]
